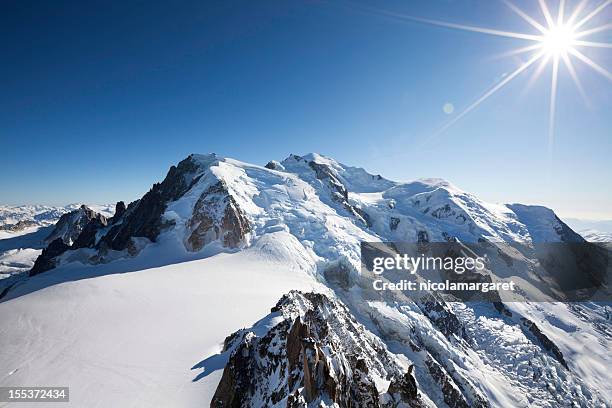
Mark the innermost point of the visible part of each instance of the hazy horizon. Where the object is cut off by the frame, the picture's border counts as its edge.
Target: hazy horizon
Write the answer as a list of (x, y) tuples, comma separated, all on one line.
[(565, 215)]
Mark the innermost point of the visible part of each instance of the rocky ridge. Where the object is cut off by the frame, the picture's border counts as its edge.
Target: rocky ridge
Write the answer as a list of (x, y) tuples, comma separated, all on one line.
[(314, 353), (215, 216)]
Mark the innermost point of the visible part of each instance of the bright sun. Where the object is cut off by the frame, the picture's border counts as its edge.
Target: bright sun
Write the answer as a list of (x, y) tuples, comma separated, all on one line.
[(558, 40)]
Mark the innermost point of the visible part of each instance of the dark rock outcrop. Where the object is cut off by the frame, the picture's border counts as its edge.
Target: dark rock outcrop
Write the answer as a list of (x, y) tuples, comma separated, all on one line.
[(70, 225), (47, 260), (274, 165), (339, 192), (566, 233), (546, 343), (18, 226), (84, 228), (316, 355), (76, 229), (143, 218), (216, 215), (441, 315), (393, 223), (453, 396), (405, 386), (87, 237), (422, 237), (119, 211)]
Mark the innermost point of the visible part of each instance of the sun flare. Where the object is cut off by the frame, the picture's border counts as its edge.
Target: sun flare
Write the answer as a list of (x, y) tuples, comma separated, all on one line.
[(558, 40)]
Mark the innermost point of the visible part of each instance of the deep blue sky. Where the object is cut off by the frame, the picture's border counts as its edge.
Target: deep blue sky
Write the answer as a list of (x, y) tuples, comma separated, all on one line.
[(98, 99)]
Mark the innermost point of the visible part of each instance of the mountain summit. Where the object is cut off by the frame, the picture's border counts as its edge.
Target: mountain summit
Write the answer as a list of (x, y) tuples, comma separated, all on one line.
[(331, 207)]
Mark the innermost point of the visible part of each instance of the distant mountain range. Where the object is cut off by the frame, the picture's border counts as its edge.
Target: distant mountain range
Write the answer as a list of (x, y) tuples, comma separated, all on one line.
[(604, 226), (18, 218), (23, 233)]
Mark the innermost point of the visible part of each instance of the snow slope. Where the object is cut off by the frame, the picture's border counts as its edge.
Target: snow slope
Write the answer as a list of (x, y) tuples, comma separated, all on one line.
[(131, 339)]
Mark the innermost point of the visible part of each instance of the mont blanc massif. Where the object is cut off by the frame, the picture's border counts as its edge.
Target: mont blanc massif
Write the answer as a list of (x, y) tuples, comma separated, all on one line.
[(236, 285)]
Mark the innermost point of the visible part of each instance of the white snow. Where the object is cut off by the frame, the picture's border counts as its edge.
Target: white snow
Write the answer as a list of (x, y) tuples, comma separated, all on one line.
[(131, 339), (17, 260), (592, 235), (19, 250)]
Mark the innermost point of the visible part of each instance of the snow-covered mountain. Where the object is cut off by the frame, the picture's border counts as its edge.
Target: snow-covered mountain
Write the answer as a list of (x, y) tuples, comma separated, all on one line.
[(320, 355), (213, 218), (17, 218), (596, 236), (24, 232), (584, 225), (39, 215)]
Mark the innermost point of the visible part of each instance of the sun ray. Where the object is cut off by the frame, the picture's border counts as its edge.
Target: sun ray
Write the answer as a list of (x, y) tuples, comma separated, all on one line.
[(592, 14), (553, 103), (490, 92), (517, 51), (576, 12), (525, 16), (604, 27), (591, 63), (482, 30), (546, 12), (572, 71), (561, 11), (592, 44), (536, 74)]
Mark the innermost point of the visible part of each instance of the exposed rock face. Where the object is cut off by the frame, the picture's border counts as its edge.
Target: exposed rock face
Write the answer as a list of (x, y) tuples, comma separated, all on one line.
[(143, 218), (119, 210), (76, 229), (393, 223), (422, 237), (317, 355), (70, 225), (274, 165), (566, 233), (453, 396), (47, 260), (405, 386), (216, 215), (18, 226), (546, 343), (87, 237), (338, 190), (332, 182), (441, 315)]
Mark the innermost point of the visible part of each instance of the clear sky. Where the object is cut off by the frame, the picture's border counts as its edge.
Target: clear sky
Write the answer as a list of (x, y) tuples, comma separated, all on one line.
[(98, 99)]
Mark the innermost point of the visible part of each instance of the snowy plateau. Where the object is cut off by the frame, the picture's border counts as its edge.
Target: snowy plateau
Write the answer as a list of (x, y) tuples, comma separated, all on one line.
[(236, 285)]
